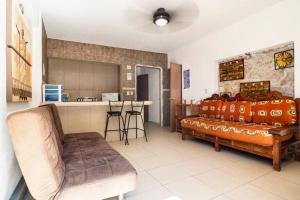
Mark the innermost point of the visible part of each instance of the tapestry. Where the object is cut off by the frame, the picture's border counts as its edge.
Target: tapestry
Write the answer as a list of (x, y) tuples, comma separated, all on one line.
[(18, 53)]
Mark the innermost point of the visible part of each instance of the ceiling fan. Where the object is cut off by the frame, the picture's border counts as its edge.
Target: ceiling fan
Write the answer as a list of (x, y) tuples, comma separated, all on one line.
[(162, 16)]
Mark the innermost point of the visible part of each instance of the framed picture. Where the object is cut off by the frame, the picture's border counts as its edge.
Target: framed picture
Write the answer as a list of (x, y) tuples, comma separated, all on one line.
[(18, 54), (186, 78), (284, 59), (255, 89), (231, 70)]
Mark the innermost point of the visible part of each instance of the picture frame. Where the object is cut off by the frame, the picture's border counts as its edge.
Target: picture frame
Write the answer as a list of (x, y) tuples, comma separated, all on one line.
[(231, 70), (284, 59), (18, 54), (255, 89)]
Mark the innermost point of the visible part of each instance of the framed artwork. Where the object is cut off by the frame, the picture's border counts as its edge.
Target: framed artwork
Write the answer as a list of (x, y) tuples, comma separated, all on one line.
[(186, 78), (231, 70), (284, 59), (18, 55), (255, 89)]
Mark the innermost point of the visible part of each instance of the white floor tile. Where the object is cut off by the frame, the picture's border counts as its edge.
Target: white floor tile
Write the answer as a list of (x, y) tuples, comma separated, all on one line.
[(191, 189), (145, 182), (219, 180), (249, 192), (278, 186)]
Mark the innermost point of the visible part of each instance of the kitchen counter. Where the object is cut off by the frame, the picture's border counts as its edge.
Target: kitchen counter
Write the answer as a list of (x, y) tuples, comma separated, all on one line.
[(79, 117), (93, 103)]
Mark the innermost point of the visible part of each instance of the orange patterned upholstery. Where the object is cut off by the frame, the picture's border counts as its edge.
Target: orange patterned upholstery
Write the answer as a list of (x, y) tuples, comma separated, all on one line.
[(245, 132), (237, 111), (275, 112), (210, 108)]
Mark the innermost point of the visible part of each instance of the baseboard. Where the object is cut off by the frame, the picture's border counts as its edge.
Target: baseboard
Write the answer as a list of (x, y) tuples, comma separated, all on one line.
[(21, 192)]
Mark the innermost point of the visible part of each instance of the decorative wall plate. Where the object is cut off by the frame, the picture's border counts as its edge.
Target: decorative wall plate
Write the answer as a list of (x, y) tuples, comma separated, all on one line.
[(284, 59)]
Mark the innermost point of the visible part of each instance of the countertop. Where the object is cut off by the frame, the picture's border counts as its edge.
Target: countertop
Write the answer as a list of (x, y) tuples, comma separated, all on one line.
[(93, 103)]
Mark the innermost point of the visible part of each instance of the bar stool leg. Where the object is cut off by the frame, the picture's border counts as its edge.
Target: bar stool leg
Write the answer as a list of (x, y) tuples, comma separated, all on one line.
[(144, 128), (120, 132), (106, 124), (128, 123), (136, 128), (124, 126), (124, 130)]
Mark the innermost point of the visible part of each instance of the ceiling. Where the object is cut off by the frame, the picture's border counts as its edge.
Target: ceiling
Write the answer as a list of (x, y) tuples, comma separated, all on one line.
[(124, 23)]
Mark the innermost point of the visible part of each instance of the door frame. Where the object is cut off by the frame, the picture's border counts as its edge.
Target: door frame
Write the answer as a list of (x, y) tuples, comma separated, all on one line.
[(173, 108), (146, 107), (160, 88)]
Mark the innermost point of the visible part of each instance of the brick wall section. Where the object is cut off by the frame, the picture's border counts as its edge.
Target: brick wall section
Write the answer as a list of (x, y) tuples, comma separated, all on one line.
[(123, 57)]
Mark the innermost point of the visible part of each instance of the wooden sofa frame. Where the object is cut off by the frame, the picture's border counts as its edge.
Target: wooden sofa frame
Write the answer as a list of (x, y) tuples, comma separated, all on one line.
[(277, 152)]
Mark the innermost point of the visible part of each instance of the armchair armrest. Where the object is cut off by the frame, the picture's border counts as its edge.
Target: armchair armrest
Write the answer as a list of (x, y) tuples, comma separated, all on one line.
[(282, 131)]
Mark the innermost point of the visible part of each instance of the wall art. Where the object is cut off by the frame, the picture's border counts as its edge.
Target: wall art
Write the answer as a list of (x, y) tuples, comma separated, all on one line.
[(18, 54)]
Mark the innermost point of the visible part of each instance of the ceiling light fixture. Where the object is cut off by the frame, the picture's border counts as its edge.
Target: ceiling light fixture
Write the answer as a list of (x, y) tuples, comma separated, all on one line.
[(161, 17)]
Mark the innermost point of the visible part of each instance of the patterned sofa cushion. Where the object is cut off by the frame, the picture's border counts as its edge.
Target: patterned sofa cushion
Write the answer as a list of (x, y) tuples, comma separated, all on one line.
[(245, 132), (210, 108), (238, 111), (275, 112)]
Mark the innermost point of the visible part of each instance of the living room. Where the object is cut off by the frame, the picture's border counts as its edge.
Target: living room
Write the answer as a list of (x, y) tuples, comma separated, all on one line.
[(83, 118)]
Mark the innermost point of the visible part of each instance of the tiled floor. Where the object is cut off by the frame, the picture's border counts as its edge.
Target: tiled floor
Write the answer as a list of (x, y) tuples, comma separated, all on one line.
[(172, 169)]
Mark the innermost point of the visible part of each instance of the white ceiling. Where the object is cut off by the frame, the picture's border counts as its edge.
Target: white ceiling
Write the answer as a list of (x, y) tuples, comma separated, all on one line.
[(123, 23)]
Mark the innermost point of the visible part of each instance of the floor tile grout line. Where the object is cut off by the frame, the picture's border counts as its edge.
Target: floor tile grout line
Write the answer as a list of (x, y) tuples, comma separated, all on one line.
[(268, 191)]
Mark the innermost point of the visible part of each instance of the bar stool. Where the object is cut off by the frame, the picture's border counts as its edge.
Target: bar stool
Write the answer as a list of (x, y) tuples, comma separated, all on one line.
[(115, 110), (136, 110)]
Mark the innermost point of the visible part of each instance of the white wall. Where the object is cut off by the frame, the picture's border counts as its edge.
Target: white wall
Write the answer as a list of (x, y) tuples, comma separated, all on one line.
[(9, 170), (274, 25), (154, 95)]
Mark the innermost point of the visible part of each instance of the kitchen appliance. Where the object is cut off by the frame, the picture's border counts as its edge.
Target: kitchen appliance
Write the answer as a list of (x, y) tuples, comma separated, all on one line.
[(86, 99), (110, 96), (52, 92)]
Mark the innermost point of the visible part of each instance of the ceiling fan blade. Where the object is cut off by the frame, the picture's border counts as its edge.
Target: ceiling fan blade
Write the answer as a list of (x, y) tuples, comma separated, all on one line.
[(137, 17), (187, 11), (179, 25)]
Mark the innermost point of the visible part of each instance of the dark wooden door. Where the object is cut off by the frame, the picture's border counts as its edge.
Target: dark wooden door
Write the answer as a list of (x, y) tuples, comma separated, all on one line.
[(143, 92), (175, 91)]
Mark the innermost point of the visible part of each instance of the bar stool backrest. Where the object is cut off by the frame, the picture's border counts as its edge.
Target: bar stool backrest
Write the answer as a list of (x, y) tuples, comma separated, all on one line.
[(137, 106), (116, 106)]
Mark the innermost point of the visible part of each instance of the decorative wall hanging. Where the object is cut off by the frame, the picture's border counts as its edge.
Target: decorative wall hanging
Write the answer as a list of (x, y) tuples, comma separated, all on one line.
[(186, 78), (284, 59), (231, 70), (18, 54), (259, 65), (255, 89)]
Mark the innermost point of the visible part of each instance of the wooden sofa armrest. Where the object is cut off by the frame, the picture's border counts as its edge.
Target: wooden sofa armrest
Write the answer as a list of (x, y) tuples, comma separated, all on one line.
[(282, 131)]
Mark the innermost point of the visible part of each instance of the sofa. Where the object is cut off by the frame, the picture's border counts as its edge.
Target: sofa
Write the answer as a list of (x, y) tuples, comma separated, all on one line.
[(66, 166), (267, 126)]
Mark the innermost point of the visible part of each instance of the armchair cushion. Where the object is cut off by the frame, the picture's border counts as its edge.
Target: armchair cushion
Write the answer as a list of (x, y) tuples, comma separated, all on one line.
[(245, 132), (276, 112), (210, 108), (237, 111)]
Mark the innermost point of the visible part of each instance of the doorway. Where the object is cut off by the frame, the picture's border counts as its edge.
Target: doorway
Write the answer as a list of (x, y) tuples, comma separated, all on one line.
[(148, 87)]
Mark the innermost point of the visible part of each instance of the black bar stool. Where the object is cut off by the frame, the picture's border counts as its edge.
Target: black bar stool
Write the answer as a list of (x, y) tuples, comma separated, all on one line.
[(136, 110), (115, 110)]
